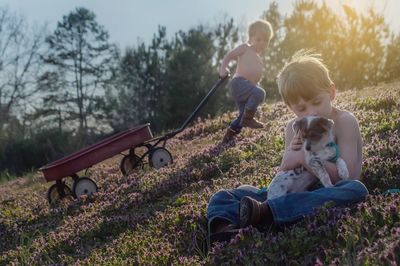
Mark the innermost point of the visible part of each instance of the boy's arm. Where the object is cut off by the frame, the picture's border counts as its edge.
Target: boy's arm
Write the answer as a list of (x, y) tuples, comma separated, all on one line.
[(231, 55), (291, 158), (348, 140)]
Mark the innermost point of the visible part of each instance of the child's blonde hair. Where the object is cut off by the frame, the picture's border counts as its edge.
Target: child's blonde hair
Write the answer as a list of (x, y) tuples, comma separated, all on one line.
[(261, 26), (303, 77)]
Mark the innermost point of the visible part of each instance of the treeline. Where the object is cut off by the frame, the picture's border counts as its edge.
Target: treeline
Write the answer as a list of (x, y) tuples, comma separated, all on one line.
[(65, 89)]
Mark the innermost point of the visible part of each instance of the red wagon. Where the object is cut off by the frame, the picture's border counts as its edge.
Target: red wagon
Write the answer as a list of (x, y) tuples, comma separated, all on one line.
[(140, 136)]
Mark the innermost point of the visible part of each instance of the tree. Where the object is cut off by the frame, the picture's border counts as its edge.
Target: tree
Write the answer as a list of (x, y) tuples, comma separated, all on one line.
[(138, 87), (312, 26), (80, 63), (351, 46), (190, 73), (163, 82), (360, 51), (20, 48), (225, 38), (273, 58), (392, 62)]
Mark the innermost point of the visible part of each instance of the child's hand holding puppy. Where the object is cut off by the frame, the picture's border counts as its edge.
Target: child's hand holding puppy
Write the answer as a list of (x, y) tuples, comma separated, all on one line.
[(297, 142)]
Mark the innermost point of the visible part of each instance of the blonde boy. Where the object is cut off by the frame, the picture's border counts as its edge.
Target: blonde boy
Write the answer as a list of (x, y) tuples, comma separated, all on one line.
[(244, 85), (306, 88)]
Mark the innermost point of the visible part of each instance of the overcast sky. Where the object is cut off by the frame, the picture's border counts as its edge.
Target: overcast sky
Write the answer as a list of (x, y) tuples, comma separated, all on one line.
[(130, 20)]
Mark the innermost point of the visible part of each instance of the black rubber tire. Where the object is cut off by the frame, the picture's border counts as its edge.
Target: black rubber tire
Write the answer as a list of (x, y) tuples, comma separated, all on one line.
[(128, 163), (53, 196)]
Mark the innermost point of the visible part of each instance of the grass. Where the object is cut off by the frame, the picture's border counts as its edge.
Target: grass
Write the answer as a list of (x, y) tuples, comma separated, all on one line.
[(158, 217)]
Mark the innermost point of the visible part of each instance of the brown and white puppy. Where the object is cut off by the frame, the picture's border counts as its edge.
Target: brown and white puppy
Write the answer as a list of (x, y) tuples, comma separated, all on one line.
[(319, 146)]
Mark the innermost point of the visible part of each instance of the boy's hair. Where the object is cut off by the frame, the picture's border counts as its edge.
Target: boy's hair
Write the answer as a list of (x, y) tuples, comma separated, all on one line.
[(304, 76), (261, 26)]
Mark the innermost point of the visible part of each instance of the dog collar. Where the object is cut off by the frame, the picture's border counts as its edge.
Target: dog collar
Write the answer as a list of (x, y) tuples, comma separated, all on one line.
[(334, 158)]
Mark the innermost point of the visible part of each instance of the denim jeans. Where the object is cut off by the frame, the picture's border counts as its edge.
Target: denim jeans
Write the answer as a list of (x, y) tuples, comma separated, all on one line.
[(286, 209), (246, 96)]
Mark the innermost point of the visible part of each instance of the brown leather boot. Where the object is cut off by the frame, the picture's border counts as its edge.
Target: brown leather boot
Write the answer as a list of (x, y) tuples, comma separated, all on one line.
[(229, 135), (255, 213), (249, 121), (221, 231)]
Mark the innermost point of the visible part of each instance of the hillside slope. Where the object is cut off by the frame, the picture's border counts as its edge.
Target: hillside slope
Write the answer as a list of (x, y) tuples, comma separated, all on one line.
[(155, 217)]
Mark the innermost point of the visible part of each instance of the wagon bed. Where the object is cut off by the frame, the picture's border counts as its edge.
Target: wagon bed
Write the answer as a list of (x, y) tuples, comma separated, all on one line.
[(85, 158)]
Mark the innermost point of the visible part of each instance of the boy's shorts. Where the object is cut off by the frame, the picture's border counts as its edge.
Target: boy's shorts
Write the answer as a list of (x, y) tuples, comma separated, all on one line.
[(246, 93)]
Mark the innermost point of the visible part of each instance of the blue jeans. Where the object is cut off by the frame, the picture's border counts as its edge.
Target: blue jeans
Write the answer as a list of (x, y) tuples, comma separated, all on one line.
[(286, 209), (246, 96)]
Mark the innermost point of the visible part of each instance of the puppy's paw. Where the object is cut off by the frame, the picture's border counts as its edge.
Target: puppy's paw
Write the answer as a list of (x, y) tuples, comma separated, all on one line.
[(342, 169), (323, 176), (326, 182), (315, 162)]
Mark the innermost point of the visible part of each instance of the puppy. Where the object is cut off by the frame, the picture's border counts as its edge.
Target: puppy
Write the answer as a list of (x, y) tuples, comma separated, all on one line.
[(318, 146)]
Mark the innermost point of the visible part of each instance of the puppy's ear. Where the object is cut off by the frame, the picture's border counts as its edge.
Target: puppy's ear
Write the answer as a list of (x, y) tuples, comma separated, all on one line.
[(325, 123), (298, 125)]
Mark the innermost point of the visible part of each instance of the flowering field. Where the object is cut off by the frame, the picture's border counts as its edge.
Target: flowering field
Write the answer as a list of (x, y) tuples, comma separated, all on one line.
[(157, 217)]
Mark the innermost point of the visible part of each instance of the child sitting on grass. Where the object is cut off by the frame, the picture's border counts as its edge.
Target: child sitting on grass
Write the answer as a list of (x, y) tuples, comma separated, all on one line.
[(244, 85), (307, 89)]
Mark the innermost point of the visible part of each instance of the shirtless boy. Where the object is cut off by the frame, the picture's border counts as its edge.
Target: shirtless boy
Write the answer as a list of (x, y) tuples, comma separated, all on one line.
[(244, 86)]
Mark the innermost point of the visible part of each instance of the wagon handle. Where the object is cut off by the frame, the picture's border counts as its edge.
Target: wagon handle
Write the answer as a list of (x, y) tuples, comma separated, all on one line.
[(216, 85)]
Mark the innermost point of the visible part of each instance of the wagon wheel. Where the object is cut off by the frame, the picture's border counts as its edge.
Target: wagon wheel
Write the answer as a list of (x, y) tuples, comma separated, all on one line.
[(130, 162), (160, 157), (84, 186), (54, 195)]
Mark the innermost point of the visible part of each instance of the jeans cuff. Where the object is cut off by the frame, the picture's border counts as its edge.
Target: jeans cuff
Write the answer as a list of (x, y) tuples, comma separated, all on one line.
[(275, 215), (273, 208), (237, 129)]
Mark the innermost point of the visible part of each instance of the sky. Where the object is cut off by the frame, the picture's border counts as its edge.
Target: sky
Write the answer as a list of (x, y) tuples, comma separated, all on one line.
[(128, 21)]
